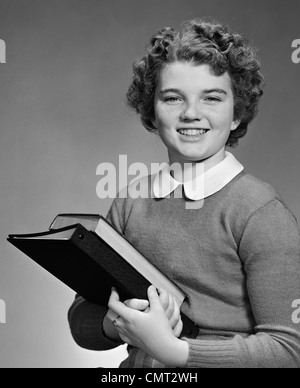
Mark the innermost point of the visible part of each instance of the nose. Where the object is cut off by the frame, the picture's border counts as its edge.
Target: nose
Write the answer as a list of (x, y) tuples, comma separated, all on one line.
[(192, 112)]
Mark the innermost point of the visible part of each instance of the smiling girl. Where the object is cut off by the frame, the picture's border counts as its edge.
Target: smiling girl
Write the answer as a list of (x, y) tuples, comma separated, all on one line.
[(235, 252)]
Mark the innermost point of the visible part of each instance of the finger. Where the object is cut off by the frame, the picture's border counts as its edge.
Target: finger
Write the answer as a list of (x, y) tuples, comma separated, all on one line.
[(137, 304), (178, 329), (176, 314), (154, 299), (116, 306), (114, 296), (170, 309), (121, 328), (164, 298), (111, 315)]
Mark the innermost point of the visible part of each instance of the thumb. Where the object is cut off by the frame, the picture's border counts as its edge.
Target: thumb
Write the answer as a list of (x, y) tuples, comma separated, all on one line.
[(114, 298), (137, 304)]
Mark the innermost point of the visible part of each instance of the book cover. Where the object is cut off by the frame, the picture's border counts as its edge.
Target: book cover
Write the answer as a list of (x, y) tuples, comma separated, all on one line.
[(90, 266)]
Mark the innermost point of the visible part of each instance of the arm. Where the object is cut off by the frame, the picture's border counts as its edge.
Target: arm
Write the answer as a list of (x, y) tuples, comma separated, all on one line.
[(92, 325), (270, 251), (86, 324)]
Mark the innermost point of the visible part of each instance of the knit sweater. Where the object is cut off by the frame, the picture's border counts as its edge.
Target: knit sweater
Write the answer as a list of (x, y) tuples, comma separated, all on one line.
[(237, 258)]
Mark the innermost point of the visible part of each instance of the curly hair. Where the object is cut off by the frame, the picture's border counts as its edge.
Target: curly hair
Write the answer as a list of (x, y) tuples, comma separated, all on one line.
[(200, 42)]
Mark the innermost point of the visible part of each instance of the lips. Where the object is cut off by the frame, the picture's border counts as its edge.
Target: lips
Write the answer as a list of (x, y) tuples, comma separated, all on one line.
[(192, 131)]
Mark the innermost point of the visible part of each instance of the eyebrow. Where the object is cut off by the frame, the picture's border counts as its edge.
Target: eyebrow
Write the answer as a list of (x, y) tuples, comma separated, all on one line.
[(205, 91), (165, 91), (215, 90)]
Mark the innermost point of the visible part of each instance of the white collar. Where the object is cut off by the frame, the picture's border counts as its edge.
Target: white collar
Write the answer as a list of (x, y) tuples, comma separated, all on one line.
[(203, 185)]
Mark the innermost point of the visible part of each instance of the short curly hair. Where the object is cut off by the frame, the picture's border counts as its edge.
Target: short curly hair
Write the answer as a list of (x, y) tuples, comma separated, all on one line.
[(200, 42)]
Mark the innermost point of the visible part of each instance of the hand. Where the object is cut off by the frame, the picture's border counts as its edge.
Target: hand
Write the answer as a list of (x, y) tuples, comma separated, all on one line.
[(108, 326), (168, 303), (172, 311), (150, 331)]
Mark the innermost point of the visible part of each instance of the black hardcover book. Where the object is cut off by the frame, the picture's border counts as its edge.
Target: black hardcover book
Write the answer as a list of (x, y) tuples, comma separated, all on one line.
[(90, 264)]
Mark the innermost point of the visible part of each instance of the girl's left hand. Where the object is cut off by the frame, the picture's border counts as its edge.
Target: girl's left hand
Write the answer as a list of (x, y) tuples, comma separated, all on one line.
[(149, 331)]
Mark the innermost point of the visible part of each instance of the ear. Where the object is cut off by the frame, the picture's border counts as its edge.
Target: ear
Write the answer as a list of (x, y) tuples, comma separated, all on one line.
[(235, 125)]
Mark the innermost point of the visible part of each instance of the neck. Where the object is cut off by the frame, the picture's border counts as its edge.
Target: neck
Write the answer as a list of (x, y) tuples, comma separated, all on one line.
[(184, 170)]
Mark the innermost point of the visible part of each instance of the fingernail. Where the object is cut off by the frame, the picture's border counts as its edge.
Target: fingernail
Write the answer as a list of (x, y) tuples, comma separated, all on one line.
[(152, 288)]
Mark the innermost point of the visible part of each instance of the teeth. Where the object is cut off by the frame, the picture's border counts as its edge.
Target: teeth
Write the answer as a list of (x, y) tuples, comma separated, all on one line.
[(192, 132)]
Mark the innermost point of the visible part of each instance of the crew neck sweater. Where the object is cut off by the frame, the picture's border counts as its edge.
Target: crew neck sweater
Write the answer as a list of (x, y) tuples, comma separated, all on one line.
[(237, 259)]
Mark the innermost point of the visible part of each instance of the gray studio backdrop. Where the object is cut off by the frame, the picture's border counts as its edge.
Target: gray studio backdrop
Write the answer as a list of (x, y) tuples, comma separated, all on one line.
[(62, 113)]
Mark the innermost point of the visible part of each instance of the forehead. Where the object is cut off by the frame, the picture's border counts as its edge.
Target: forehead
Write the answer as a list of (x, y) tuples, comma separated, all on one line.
[(191, 77)]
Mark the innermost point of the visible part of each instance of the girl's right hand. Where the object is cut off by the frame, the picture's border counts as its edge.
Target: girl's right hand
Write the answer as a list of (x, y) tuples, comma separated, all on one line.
[(168, 303)]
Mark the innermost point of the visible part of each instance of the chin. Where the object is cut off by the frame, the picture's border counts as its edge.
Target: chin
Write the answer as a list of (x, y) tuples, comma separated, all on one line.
[(193, 158)]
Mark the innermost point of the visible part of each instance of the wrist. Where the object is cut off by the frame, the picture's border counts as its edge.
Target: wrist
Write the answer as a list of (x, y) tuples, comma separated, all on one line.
[(179, 354)]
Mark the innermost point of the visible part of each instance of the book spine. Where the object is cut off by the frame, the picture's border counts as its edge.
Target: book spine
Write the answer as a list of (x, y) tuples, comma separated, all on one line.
[(129, 282)]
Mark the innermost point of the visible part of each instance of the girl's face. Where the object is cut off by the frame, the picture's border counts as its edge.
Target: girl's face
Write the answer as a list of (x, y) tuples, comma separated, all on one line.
[(194, 112)]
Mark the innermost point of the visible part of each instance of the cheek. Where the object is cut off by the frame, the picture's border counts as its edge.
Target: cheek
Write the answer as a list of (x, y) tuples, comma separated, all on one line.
[(166, 116), (223, 120), (163, 122)]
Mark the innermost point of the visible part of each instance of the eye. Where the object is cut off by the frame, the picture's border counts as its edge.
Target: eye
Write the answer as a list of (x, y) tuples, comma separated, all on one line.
[(213, 99), (172, 100)]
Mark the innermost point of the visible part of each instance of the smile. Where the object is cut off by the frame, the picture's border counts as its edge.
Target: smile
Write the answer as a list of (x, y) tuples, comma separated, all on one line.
[(192, 132)]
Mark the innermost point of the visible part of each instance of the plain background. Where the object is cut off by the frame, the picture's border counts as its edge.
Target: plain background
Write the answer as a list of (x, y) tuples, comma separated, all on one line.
[(62, 113)]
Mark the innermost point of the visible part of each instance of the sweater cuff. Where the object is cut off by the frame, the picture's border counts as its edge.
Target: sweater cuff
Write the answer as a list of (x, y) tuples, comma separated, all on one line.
[(211, 354), (86, 323)]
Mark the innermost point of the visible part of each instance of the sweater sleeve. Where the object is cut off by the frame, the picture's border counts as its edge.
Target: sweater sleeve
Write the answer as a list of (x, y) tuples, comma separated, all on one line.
[(270, 251), (85, 318), (86, 325)]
